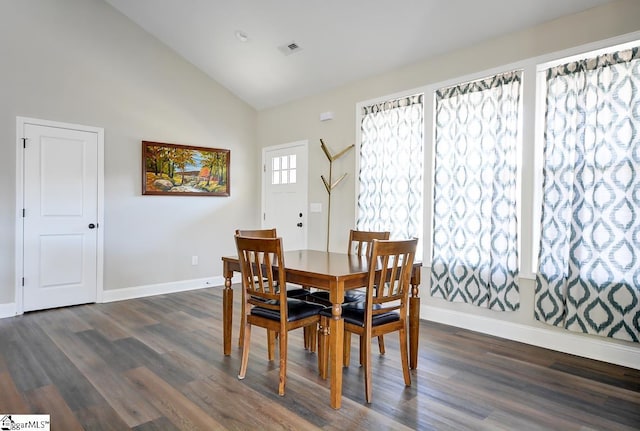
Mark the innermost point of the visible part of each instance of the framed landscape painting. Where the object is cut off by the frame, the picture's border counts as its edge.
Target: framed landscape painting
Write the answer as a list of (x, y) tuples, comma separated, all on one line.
[(171, 169)]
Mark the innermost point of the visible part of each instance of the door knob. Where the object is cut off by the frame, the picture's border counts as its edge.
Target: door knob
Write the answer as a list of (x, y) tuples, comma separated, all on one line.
[(92, 226), (299, 224)]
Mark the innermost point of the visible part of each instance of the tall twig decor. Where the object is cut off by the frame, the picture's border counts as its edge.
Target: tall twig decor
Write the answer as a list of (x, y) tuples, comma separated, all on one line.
[(330, 184)]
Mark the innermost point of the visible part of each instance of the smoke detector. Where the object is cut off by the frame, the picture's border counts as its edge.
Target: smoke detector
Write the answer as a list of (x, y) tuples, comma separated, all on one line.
[(289, 48)]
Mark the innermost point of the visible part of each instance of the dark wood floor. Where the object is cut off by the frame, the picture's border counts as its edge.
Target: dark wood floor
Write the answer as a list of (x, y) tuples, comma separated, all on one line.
[(157, 364)]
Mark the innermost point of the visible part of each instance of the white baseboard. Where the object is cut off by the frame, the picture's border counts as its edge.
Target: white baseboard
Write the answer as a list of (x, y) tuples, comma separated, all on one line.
[(567, 342), (161, 288), (8, 310)]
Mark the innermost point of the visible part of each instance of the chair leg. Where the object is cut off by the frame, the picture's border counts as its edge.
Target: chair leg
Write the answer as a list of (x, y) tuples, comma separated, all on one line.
[(245, 351), (346, 349), (323, 347), (313, 337), (404, 353), (307, 339), (366, 347), (381, 344), (241, 334), (271, 344), (363, 341), (283, 362)]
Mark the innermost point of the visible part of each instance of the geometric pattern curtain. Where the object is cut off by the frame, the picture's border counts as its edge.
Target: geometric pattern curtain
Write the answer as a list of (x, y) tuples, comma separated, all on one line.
[(588, 279), (391, 168), (475, 229)]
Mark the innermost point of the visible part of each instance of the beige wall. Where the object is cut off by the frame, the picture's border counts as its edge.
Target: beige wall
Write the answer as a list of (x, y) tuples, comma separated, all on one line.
[(300, 120), (82, 62)]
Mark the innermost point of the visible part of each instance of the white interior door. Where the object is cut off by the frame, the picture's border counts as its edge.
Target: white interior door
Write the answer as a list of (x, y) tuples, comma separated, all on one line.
[(285, 193), (60, 218)]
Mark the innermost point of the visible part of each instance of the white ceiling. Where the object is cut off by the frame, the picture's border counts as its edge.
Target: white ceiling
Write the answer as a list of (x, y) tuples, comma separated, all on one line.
[(340, 40)]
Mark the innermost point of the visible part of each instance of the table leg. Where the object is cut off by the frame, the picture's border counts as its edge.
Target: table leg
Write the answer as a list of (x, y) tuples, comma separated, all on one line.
[(336, 340), (414, 327), (227, 314)]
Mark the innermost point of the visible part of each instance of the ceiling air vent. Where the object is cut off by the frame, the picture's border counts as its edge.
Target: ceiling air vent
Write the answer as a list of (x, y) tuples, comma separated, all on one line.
[(289, 48)]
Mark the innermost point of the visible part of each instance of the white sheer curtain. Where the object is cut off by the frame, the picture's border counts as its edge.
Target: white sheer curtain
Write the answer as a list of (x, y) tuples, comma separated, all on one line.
[(589, 265), (475, 243), (391, 168)]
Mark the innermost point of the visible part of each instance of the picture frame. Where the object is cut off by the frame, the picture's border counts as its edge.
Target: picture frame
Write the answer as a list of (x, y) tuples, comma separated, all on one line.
[(184, 170)]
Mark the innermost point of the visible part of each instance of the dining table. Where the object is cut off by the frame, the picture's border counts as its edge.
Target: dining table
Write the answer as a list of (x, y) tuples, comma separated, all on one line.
[(335, 273)]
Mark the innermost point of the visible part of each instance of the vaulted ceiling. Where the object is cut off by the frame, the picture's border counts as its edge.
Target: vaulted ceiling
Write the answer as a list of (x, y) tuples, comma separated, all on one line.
[(268, 52)]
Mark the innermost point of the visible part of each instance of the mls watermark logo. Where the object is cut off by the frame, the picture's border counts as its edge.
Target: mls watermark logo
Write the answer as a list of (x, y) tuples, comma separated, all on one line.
[(25, 422)]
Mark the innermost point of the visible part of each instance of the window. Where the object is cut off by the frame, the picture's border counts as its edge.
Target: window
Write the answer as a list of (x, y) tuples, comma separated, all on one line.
[(390, 173), (588, 276), (283, 169), (474, 238)]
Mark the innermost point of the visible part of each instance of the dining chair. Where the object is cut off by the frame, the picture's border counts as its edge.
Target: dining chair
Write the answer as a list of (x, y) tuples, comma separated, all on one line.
[(360, 242), (309, 341), (384, 310), (265, 300)]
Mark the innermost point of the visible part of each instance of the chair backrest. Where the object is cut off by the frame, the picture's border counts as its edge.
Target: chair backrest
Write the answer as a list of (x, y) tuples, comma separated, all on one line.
[(262, 270), (257, 233), (389, 290), (360, 241)]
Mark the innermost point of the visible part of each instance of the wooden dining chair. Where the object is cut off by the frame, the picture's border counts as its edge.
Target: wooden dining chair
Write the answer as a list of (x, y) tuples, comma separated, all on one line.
[(292, 292), (360, 243), (385, 309), (301, 293), (265, 299)]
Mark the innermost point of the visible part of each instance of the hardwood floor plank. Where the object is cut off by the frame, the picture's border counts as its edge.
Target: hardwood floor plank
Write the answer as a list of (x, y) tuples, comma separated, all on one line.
[(11, 400), (106, 325), (115, 389), (172, 372), (3, 364), (101, 418), (125, 313), (20, 359), (109, 352), (181, 411), (47, 400), (76, 390), (160, 424), (606, 375), (187, 342), (207, 393), (533, 402)]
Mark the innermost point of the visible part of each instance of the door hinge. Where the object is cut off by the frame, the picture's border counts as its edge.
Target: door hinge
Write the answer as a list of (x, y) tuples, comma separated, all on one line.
[(24, 142), (22, 281), (24, 213), (264, 216), (264, 168)]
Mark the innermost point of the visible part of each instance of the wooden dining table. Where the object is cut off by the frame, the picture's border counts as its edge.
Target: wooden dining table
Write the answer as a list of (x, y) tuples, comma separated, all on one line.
[(335, 273)]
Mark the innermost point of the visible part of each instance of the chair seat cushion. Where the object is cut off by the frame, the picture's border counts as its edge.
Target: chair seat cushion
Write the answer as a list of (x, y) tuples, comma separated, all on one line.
[(354, 314), (297, 292), (293, 292), (296, 310), (322, 296)]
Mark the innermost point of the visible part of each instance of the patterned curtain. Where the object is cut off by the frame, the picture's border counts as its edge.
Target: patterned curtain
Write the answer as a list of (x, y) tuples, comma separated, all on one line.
[(589, 264), (475, 243), (391, 166)]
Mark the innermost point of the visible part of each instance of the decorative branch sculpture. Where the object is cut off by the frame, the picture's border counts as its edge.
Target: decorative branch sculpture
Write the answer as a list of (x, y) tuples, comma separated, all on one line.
[(330, 184)]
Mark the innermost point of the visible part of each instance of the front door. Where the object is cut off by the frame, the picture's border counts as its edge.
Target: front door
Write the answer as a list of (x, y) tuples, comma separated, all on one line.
[(60, 218), (285, 193)]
